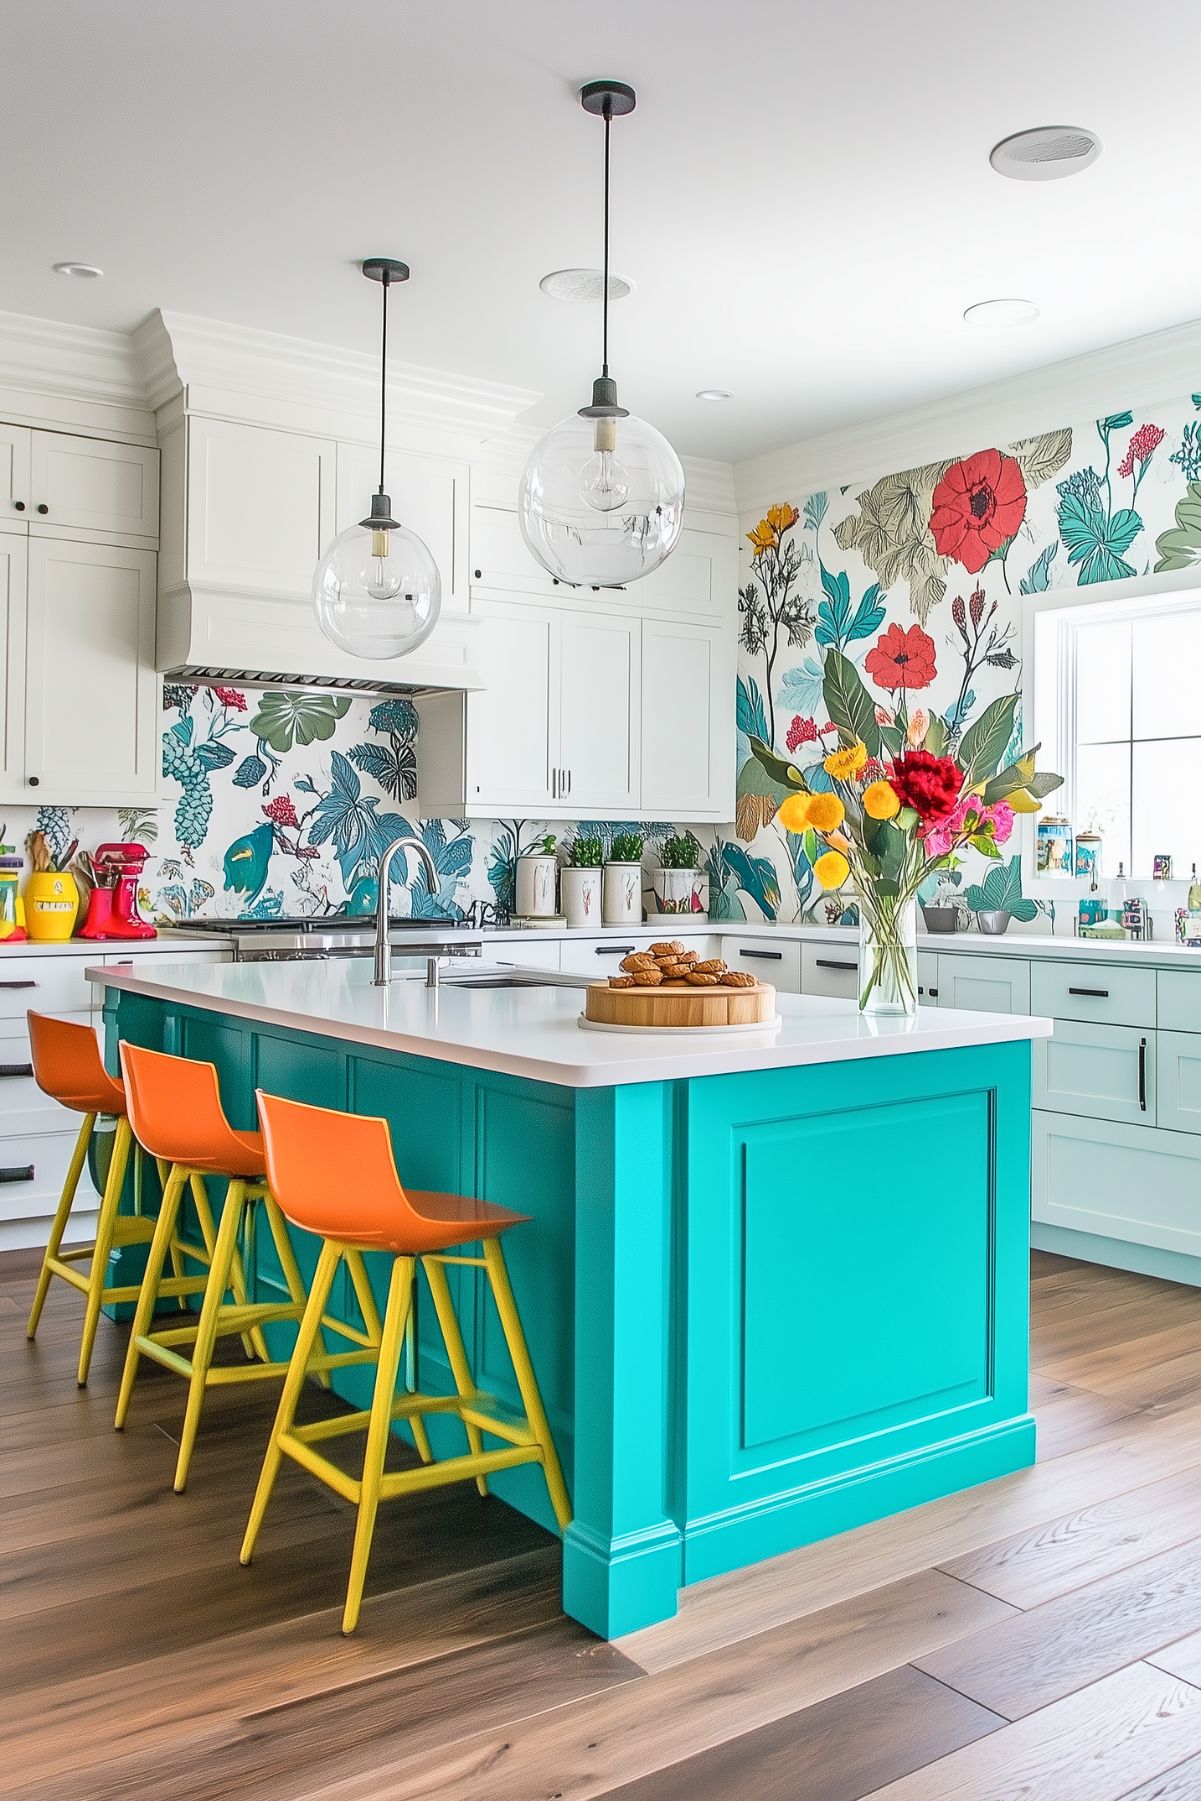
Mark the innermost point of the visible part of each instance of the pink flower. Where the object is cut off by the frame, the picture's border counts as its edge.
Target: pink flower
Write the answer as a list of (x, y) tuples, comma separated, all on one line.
[(1141, 449), (1001, 818), (969, 819), (801, 731), (281, 810)]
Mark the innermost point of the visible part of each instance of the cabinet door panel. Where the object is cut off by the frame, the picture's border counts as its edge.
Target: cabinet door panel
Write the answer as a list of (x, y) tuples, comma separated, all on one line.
[(91, 725), (14, 478), (500, 558), (429, 495), (598, 728), (983, 984), (259, 503), (14, 559), (700, 577), (509, 723), (831, 969), (1119, 1181), (1178, 1080), (1103, 1072), (928, 992), (1110, 992), (774, 960), (92, 486), (688, 696)]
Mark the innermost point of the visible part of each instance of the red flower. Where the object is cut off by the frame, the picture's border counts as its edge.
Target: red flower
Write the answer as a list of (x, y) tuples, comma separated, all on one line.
[(281, 811), (231, 697), (902, 659), (801, 731), (978, 506), (928, 784), (1141, 448)]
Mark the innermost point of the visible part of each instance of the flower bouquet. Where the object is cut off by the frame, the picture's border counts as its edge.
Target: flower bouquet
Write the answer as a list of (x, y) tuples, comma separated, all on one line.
[(894, 801)]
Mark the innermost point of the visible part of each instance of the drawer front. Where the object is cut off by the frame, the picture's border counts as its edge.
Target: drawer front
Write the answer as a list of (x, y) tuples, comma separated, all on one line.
[(1178, 1080), (831, 969), (1103, 1072), (768, 958), (538, 953), (32, 1168), (1179, 1000), (928, 992), (45, 984), (602, 956), (1140, 1186), (984, 984), (1105, 992), (23, 1107)]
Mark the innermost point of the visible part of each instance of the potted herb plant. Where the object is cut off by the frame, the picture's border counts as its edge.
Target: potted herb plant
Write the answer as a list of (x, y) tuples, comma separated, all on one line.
[(677, 883), (622, 885), (941, 911), (536, 868), (999, 898), (580, 882)]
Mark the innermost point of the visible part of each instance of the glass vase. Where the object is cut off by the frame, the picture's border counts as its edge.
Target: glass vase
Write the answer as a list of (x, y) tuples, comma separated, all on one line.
[(887, 956)]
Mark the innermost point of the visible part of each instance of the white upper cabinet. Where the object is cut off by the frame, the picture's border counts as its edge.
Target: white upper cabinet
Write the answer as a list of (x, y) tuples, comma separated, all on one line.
[(599, 685), (699, 578), (687, 727), (501, 562), (93, 489), (92, 726), (508, 744), (14, 559), (260, 506), (14, 478), (429, 495)]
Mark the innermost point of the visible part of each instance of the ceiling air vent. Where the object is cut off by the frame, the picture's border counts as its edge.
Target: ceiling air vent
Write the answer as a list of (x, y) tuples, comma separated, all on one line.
[(1045, 153)]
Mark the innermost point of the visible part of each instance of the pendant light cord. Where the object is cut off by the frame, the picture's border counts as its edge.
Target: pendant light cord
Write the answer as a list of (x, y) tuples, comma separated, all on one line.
[(608, 117), (383, 382)]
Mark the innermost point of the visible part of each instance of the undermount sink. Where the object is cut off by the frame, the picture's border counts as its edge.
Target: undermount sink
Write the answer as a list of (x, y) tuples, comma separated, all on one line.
[(510, 978)]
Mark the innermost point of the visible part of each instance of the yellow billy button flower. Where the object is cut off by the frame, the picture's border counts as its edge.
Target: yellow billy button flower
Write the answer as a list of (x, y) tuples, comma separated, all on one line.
[(826, 812), (845, 764), (880, 801), (832, 869), (793, 812)]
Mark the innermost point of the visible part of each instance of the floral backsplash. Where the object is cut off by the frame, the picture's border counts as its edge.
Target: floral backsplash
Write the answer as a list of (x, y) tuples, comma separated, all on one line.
[(279, 804), (917, 578)]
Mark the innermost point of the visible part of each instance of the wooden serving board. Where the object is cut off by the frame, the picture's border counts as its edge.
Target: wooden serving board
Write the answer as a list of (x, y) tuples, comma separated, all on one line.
[(680, 1004)]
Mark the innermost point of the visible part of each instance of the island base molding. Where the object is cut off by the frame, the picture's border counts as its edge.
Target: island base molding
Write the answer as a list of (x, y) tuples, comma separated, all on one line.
[(763, 1308)]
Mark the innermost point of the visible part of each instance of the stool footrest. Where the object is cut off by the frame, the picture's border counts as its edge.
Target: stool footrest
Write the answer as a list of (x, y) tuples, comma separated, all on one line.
[(399, 1482)]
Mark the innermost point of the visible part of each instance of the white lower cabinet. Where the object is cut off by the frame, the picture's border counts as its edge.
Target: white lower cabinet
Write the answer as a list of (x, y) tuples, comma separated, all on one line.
[(928, 992), (1103, 1072), (1133, 1184), (601, 957), (831, 969), (767, 958), (983, 984)]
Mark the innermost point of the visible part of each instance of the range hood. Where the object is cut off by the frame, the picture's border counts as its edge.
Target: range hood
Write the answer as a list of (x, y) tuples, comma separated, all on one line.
[(209, 636)]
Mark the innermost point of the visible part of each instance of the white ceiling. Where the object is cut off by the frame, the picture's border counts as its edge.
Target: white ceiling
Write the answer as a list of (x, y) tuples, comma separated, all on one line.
[(803, 196)]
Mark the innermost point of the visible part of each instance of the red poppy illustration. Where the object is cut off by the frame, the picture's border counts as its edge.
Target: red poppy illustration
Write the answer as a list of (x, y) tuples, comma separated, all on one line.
[(902, 659), (977, 507)]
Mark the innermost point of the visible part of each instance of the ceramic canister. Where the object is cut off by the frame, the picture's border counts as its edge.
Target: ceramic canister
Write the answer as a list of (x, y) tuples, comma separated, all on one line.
[(581, 892), (536, 887), (622, 892)]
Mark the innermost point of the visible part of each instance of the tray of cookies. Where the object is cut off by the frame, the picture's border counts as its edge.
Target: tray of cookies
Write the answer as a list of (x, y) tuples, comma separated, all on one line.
[(671, 987)]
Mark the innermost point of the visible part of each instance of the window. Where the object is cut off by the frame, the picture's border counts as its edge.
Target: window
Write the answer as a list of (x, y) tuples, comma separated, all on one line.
[(1118, 709)]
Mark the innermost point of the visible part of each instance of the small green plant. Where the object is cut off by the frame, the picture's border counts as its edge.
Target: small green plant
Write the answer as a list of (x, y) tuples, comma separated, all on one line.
[(681, 851), (1001, 891), (626, 847), (586, 853), (541, 847)]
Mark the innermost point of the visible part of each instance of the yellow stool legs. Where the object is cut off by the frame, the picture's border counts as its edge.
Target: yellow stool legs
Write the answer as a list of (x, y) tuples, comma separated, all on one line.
[(524, 1440)]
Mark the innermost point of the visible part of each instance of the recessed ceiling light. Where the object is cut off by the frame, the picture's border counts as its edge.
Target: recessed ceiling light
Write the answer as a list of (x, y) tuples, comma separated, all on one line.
[(714, 394), (1001, 313), (1045, 153), (583, 284), (88, 271)]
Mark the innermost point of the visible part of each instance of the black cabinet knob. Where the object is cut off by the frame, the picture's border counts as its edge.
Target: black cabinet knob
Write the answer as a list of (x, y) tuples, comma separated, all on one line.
[(42, 507), (33, 781), (18, 506), (479, 575)]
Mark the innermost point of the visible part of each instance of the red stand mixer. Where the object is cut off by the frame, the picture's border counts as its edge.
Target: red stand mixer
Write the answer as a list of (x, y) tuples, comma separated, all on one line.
[(113, 902)]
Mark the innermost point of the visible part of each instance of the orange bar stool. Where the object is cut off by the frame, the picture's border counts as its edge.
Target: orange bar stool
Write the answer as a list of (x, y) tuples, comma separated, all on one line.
[(335, 1175), (175, 1110), (67, 1066)]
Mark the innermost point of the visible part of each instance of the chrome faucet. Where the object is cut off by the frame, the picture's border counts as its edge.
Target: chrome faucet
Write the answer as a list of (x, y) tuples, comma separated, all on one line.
[(383, 949)]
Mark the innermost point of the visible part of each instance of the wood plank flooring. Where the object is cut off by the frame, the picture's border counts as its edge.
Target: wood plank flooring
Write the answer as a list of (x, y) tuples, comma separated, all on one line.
[(1037, 1638)]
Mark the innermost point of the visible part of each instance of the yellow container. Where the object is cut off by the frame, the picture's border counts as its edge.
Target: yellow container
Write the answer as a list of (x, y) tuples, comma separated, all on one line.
[(51, 905)]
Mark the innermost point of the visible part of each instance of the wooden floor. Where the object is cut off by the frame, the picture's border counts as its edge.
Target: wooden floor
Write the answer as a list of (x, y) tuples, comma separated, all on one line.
[(1038, 1638)]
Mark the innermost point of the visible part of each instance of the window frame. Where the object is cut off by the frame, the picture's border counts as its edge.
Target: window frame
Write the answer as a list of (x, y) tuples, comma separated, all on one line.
[(1048, 696)]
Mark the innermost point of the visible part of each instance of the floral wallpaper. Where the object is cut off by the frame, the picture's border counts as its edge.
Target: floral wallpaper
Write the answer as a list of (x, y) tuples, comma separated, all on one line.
[(280, 803), (917, 578)]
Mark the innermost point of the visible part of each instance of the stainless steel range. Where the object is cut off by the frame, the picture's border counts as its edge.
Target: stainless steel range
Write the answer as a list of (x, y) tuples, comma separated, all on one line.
[(338, 935)]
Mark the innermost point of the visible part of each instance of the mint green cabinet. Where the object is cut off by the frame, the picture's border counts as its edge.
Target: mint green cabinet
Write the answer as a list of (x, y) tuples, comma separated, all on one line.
[(1128, 1185), (983, 984), (1178, 1080), (1103, 1072)]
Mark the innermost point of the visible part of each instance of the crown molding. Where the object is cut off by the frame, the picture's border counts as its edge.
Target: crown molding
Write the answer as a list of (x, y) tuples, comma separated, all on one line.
[(1140, 371), (267, 378), (72, 376)]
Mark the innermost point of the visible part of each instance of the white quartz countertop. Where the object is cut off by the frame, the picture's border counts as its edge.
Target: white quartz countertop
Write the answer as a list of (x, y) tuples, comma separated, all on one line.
[(534, 1032), (164, 944)]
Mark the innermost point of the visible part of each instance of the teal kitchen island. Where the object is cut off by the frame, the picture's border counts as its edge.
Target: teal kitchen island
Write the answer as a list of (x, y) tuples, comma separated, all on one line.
[(775, 1284)]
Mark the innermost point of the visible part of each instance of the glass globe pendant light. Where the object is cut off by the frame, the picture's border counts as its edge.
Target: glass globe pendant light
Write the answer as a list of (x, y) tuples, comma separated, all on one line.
[(377, 591), (601, 502)]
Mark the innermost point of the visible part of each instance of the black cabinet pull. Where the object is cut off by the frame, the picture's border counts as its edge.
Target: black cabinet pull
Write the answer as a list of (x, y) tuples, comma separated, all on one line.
[(479, 575), (1142, 1074), (614, 950), (1096, 994), (8, 1070), (767, 956), (42, 507), (18, 506), (34, 781), (832, 963), (25, 982), (934, 994), (18, 1174)]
